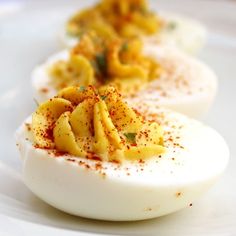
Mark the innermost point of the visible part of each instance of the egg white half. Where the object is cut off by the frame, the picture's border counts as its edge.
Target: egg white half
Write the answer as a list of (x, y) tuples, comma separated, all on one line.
[(196, 156), (187, 34), (187, 85)]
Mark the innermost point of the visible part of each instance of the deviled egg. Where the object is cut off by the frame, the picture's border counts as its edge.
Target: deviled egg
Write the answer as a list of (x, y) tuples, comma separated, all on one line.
[(155, 74), (87, 153), (132, 18)]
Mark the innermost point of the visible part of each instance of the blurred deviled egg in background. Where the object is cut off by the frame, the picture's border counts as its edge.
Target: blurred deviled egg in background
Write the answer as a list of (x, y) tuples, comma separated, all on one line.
[(132, 18), (158, 74)]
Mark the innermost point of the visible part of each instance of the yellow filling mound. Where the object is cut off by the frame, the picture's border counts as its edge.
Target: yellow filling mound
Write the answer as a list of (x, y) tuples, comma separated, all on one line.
[(85, 123), (112, 18), (98, 62)]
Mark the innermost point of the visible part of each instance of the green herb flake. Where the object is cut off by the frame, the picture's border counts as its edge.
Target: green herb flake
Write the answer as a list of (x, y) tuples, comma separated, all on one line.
[(125, 47), (82, 88), (103, 97), (172, 25), (36, 102), (95, 66), (144, 11), (101, 62), (131, 137)]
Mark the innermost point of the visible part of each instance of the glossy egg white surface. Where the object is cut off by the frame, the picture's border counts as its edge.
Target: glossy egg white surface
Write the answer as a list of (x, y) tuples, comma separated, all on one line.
[(186, 85), (195, 157)]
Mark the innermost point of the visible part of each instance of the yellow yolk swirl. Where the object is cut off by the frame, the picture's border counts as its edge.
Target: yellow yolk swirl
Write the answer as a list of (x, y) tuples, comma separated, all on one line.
[(112, 18), (98, 62), (85, 122)]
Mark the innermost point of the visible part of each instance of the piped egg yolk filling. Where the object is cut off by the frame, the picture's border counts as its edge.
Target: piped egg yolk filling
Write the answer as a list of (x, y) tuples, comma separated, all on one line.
[(112, 18), (84, 122), (98, 62)]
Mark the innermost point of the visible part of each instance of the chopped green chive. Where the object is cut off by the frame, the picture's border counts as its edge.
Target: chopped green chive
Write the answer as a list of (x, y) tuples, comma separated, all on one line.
[(103, 97), (95, 66), (81, 88), (36, 102), (144, 11), (76, 34), (131, 137), (125, 47), (101, 62), (172, 25)]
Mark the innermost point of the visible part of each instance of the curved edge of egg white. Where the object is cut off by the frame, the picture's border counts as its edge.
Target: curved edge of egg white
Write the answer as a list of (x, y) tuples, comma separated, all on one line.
[(41, 80), (118, 197), (189, 35)]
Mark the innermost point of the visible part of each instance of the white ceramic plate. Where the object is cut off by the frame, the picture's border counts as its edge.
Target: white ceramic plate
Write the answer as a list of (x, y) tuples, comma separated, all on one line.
[(28, 34)]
